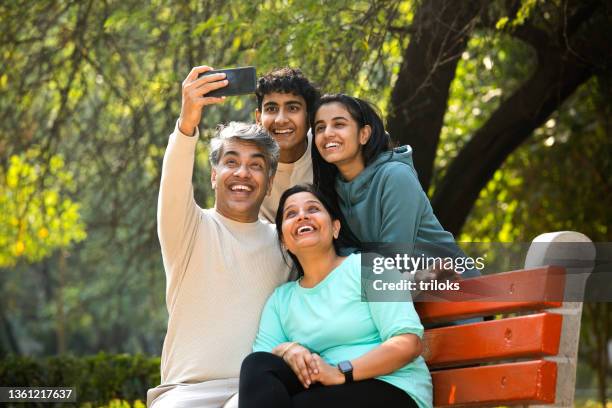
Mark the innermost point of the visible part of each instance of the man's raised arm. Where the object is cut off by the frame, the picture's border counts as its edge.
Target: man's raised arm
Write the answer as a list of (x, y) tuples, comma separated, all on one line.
[(176, 208)]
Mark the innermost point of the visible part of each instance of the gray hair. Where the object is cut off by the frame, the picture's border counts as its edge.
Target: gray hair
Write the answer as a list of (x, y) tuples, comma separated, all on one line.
[(245, 132)]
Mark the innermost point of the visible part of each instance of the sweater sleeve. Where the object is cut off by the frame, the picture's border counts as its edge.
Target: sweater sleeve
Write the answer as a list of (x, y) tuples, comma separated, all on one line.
[(270, 333), (177, 211), (402, 204)]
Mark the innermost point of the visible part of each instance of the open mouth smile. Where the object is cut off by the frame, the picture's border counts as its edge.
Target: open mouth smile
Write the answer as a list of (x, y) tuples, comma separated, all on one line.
[(331, 145), (304, 229)]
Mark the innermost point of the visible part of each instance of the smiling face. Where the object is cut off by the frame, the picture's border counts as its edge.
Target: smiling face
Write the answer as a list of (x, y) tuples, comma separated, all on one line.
[(284, 115), (307, 224), (339, 139), (240, 181)]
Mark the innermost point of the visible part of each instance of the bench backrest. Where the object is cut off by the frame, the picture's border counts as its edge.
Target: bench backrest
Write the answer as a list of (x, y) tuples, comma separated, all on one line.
[(527, 355)]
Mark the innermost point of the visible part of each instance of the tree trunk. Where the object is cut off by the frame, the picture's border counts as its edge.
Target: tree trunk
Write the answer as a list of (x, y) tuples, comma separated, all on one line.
[(60, 328), (602, 363), (419, 98), (8, 342)]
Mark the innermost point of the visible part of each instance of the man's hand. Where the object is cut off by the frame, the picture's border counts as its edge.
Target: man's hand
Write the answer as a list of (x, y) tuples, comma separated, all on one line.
[(301, 361), (327, 374), (194, 97)]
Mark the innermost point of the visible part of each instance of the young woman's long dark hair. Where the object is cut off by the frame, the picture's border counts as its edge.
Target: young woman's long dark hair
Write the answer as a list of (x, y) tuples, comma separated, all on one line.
[(345, 242), (324, 173)]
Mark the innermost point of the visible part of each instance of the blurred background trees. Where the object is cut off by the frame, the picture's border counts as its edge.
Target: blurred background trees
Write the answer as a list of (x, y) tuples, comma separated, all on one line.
[(507, 104)]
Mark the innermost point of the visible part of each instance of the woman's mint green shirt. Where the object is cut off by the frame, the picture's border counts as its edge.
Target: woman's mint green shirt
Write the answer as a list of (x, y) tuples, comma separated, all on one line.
[(332, 320)]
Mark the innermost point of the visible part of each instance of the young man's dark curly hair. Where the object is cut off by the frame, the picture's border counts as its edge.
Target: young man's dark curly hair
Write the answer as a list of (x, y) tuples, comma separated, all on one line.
[(287, 80)]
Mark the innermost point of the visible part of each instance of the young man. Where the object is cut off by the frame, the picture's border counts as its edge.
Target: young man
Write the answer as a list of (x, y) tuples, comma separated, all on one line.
[(284, 99), (221, 263)]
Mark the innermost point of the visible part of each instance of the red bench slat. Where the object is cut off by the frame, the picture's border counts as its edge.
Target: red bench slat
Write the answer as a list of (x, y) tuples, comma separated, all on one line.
[(508, 292), (503, 384), (518, 337)]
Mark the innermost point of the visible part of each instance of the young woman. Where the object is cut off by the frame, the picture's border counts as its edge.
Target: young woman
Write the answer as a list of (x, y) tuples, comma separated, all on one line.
[(319, 345), (375, 187)]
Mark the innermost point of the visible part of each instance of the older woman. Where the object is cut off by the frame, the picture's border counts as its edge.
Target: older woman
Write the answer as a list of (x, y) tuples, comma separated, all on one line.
[(318, 343)]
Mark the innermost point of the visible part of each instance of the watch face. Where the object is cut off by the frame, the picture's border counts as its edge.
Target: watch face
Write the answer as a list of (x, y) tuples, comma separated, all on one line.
[(345, 366)]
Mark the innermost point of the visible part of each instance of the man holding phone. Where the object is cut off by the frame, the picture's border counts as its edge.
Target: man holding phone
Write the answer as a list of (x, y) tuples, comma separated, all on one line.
[(285, 98), (221, 263)]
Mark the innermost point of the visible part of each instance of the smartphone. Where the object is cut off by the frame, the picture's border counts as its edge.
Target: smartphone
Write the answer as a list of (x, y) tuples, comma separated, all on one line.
[(241, 81)]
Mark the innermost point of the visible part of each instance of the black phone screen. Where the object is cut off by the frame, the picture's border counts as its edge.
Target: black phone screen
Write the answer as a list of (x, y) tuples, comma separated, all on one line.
[(241, 81)]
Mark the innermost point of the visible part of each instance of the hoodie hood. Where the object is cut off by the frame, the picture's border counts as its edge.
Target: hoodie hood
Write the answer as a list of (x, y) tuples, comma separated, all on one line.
[(351, 192)]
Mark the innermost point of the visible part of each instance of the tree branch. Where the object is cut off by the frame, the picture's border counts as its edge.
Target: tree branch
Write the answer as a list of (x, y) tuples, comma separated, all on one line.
[(534, 36), (555, 79)]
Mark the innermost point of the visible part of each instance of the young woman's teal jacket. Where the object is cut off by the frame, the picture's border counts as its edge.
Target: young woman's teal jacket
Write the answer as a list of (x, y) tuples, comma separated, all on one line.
[(385, 203)]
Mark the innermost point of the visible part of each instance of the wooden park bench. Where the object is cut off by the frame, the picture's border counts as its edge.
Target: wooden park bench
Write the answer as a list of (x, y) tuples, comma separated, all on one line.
[(528, 357)]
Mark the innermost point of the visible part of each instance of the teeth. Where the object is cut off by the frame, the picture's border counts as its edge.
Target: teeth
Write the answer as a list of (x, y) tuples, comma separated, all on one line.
[(331, 144), (240, 187), (283, 131), (304, 229)]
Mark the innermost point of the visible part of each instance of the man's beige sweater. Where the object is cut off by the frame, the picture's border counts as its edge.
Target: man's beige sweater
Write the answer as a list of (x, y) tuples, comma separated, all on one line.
[(219, 274)]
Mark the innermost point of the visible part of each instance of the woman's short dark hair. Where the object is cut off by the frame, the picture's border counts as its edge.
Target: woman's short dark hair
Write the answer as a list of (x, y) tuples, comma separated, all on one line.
[(344, 243), (364, 113)]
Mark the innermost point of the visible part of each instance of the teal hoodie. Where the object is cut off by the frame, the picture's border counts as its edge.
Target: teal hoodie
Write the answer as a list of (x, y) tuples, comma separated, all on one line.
[(385, 203)]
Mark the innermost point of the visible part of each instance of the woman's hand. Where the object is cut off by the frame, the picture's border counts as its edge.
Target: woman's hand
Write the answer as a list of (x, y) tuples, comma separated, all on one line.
[(301, 361), (327, 374)]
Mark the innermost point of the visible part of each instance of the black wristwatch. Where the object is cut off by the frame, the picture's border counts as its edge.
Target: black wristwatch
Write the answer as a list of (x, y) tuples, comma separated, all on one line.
[(346, 368)]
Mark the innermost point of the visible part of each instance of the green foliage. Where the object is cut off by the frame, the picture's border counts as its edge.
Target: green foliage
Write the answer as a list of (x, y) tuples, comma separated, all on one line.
[(591, 404), (344, 46), (528, 195), (99, 379), (524, 11), (37, 216), (490, 69), (118, 403)]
